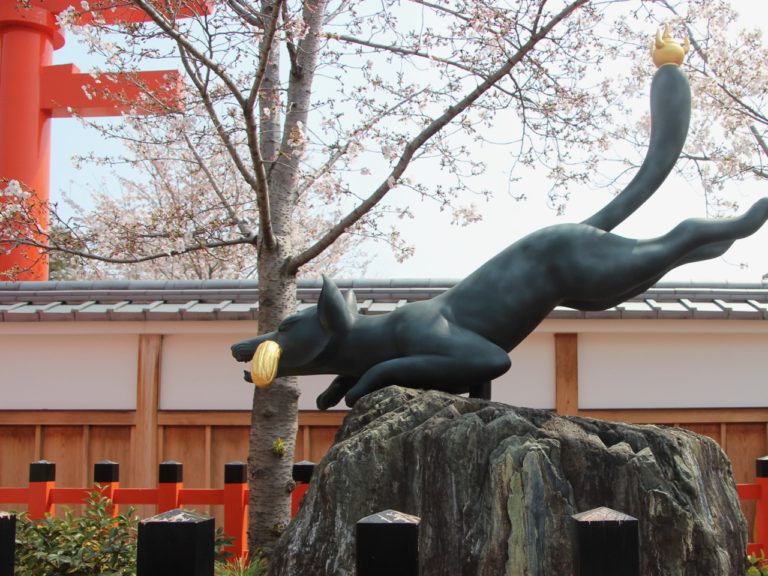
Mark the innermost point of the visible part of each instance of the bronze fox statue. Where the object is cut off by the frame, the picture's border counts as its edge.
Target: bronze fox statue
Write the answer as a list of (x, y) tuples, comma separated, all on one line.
[(460, 340)]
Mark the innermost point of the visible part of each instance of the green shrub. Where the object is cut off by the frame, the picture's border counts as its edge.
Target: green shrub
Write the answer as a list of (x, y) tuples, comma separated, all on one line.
[(97, 543), (257, 567), (757, 565), (94, 543)]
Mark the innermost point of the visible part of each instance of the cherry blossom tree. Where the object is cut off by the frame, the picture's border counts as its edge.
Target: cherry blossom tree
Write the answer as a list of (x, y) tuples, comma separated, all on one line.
[(303, 120), (322, 106), (727, 138)]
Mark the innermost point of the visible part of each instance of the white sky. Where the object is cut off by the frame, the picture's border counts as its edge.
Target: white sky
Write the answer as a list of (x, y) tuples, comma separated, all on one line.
[(445, 251)]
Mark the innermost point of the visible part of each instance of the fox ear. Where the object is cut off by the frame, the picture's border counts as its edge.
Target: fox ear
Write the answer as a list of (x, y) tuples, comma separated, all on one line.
[(351, 300), (333, 309)]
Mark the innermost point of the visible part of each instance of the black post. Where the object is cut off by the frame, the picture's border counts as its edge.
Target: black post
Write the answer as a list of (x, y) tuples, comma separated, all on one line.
[(235, 472), (106, 472), (42, 471), (176, 542), (761, 467), (387, 544), (607, 544), (302, 471), (7, 543), (170, 472)]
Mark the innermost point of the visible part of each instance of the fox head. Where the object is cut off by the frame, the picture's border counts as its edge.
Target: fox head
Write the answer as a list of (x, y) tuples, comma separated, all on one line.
[(299, 344)]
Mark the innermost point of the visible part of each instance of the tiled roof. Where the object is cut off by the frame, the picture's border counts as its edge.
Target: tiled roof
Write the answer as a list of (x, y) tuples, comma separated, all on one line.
[(237, 300)]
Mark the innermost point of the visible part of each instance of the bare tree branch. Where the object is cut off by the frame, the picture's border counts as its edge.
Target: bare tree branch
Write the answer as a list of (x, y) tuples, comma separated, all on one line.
[(400, 50), (245, 230), (422, 138), (169, 28)]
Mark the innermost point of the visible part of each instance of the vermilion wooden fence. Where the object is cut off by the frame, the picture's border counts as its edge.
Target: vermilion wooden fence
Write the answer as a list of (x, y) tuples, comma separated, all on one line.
[(42, 495), (758, 491)]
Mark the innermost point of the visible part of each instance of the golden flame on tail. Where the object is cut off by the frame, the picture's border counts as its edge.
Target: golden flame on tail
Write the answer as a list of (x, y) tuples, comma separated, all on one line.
[(665, 50), (264, 363)]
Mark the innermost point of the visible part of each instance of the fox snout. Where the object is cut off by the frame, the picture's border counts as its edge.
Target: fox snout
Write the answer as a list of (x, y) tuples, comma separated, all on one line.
[(244, 350)]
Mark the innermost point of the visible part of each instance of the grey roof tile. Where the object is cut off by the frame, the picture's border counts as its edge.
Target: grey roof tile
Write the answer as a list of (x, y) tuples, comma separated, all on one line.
[(237, 300)]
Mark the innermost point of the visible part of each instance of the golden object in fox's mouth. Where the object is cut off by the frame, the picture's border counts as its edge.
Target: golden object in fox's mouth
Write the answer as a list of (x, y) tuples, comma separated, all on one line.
[(665, 50), (264, 363)]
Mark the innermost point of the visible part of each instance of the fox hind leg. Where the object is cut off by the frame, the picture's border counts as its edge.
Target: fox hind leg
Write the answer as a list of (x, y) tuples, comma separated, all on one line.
[(634, 267), (464, 360)]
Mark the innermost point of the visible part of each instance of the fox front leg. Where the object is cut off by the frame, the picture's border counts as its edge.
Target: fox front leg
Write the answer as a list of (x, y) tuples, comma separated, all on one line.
[(335, 391)]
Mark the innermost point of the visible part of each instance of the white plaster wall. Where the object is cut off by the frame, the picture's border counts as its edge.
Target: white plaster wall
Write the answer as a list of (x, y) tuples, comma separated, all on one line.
[(629, 370), (531, 379), (197, 372), (622, 364), (311, 387), (68, 372)]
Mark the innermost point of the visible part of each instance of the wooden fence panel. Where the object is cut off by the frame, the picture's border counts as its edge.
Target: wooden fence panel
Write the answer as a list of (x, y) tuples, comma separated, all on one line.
[(745, 443), (320, 440), (228, 444), (110, 443), (187, 444), (17, 450), (204, 441), (65, 445), (711, 430)]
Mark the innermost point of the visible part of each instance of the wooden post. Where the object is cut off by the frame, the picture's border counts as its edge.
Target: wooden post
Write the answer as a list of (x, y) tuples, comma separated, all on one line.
[(387, 544), (7, 543), (567, 374), (302, 475), (107, 475), (176, 542), (235, 510), (144, 442), (171, 481), (42, 480), (761, 508), (607, 544)]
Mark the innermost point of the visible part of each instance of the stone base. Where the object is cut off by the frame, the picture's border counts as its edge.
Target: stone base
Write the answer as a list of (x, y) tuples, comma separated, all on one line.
[(496, 486)]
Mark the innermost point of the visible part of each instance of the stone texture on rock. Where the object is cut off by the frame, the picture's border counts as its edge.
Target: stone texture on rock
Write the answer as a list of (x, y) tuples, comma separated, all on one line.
[(496, 486)]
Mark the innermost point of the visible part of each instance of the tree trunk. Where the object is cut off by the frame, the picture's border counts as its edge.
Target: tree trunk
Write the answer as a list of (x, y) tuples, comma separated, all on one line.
[(274, 419)]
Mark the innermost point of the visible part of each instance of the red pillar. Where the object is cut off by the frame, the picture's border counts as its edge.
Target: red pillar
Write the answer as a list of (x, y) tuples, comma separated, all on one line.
[(27, 40), (32, 91)]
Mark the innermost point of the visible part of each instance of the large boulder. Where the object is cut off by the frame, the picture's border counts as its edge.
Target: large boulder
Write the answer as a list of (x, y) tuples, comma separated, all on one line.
[(496, 486)]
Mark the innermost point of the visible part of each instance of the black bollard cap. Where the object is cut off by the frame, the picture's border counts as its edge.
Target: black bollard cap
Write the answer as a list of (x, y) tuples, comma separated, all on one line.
[(7, 543), (387, 543), (42, 471), (235, 473), (171, 472), (762, 467), (176, 542), (607, 542), (302, 471), (106, 471)]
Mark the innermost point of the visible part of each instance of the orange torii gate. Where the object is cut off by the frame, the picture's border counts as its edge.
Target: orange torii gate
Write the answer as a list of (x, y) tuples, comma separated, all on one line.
[(33, 90)]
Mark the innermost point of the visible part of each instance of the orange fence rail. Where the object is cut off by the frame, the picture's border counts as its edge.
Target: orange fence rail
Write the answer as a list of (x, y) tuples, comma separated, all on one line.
[(758, 492), (42, 495)]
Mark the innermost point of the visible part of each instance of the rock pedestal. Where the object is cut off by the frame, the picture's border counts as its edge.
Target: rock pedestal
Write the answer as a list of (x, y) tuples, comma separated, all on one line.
[(496, 488)]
